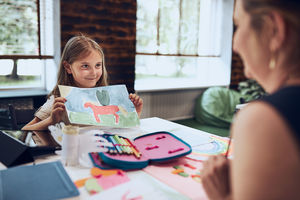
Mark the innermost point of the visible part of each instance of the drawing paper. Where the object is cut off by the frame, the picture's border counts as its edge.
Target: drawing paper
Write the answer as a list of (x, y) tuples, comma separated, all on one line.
[(100, 106)]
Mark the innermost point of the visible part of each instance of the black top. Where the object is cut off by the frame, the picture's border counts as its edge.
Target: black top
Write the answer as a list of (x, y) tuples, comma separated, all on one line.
[(287, 102)]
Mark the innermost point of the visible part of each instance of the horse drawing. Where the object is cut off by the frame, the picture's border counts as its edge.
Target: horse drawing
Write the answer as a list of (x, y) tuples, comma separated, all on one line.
[(103, 110)]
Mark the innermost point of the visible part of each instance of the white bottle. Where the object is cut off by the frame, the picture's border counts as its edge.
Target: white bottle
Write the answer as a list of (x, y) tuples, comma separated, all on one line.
[(70, 145)]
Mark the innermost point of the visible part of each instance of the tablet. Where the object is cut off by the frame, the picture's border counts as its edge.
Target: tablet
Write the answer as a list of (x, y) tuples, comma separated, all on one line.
[(32, 138), (18, 146)]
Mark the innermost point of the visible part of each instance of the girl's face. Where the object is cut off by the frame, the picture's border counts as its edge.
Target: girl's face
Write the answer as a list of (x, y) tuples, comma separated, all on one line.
[(253, 50), (86, 71)]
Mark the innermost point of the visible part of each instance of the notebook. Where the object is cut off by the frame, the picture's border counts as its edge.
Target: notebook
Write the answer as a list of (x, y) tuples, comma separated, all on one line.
[(35, 182)]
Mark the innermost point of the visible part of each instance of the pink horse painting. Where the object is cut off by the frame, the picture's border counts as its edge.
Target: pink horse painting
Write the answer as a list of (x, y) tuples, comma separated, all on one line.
[(103, 110)]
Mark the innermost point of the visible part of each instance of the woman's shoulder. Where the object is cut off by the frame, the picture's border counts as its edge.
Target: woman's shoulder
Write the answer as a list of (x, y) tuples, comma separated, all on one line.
[(267, 152), (254, 115)]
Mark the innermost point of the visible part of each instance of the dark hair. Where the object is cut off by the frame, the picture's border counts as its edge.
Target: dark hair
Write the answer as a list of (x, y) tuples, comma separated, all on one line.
[(76, 48)]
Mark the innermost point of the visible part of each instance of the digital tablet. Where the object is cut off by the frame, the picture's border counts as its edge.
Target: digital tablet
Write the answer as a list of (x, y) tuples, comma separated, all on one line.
[(18, 146)]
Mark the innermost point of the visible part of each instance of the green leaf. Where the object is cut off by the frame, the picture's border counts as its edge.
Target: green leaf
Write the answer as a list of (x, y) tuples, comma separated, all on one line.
[(103, 97)]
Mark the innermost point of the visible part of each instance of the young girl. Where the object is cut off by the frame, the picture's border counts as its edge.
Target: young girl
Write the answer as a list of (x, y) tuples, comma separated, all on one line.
[(82, 65)]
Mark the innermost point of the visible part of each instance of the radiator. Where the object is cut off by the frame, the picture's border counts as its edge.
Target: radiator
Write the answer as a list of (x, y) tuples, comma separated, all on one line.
[(170, 105)]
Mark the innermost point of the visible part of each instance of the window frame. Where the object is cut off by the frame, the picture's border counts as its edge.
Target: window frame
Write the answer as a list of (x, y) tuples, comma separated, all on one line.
[(218, 66), (50, 75)]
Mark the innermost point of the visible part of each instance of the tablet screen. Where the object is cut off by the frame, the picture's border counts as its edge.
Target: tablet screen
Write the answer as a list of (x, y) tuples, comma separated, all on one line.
[(32, 138)]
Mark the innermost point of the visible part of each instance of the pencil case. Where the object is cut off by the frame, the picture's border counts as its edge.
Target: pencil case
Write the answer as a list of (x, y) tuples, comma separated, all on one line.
[(152, 148)]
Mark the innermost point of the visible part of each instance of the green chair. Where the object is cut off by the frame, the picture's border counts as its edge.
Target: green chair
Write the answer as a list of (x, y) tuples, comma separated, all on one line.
[(214, 111)]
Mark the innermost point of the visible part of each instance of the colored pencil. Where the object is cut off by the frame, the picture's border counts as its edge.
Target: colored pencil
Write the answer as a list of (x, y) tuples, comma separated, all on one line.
[(116, 145), (117, 139), (126, 145), (112, 149), (134, 149)]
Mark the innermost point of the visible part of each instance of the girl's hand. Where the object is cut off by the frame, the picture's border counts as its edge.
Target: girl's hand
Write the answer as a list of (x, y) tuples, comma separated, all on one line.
[(137, 102), (58, 110), (215, 177)]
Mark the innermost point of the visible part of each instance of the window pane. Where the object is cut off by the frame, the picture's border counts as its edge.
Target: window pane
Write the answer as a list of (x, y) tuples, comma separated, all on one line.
[(210, 28), (189, 25), (168, 26), (46, 27), (151, 66), (146, 26), (18, 25), (29, 74), (6, 67)]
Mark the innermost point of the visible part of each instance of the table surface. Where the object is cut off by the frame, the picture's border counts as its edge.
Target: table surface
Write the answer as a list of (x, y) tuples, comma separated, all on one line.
[(157, 189)]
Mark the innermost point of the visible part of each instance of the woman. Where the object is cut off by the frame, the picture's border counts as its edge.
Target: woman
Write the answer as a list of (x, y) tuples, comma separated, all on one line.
[(266, 133)]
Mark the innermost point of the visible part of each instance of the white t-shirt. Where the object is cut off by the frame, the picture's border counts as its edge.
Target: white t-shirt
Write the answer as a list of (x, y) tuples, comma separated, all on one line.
[(45, 110)]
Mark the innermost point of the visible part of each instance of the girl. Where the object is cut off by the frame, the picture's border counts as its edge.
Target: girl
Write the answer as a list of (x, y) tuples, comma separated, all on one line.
[(82, 65)]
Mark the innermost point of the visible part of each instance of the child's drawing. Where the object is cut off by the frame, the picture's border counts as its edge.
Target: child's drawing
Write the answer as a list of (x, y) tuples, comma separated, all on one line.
[(103, 110), (218, 145), (102, 106)]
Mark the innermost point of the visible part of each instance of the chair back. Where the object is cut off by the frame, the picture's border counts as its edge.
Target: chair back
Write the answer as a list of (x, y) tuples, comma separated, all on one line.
[(20, 117)]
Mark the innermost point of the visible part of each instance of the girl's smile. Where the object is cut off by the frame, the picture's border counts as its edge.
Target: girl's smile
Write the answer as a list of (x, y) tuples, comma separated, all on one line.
[(86, 71)]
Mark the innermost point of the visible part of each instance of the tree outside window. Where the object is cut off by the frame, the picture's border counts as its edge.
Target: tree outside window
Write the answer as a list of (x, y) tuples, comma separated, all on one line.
[(21, 60)]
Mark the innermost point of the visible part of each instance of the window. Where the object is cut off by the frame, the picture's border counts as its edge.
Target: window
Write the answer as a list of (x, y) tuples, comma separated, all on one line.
[(183, 43), (28, 48)]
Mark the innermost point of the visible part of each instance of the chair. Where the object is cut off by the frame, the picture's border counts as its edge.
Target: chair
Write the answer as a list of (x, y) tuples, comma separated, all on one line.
[(20, 117), (214, 111)]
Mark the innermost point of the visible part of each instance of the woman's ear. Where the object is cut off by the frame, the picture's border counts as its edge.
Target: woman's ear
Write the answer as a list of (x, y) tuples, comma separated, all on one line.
[(279, 32), (67, 66)]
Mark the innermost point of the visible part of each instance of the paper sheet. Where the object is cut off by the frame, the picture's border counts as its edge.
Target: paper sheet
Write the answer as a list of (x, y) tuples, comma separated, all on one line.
[(142, 187), (185, 185), (192, 136), (100, 106)]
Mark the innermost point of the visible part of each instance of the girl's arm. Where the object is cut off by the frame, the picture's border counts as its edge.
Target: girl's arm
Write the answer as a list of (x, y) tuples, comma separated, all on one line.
[(37, 124), (56, 115), (137, 102)]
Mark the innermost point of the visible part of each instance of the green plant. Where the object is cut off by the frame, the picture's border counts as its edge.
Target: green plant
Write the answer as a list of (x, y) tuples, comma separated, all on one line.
[(251, 90)]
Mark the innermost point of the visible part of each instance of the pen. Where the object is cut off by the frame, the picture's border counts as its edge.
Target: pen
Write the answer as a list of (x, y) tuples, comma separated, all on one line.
[(228, 146)]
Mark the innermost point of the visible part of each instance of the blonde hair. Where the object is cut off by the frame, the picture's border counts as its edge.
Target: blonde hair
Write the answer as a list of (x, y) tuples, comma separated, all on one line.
[(76, 48), (288, 9)]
